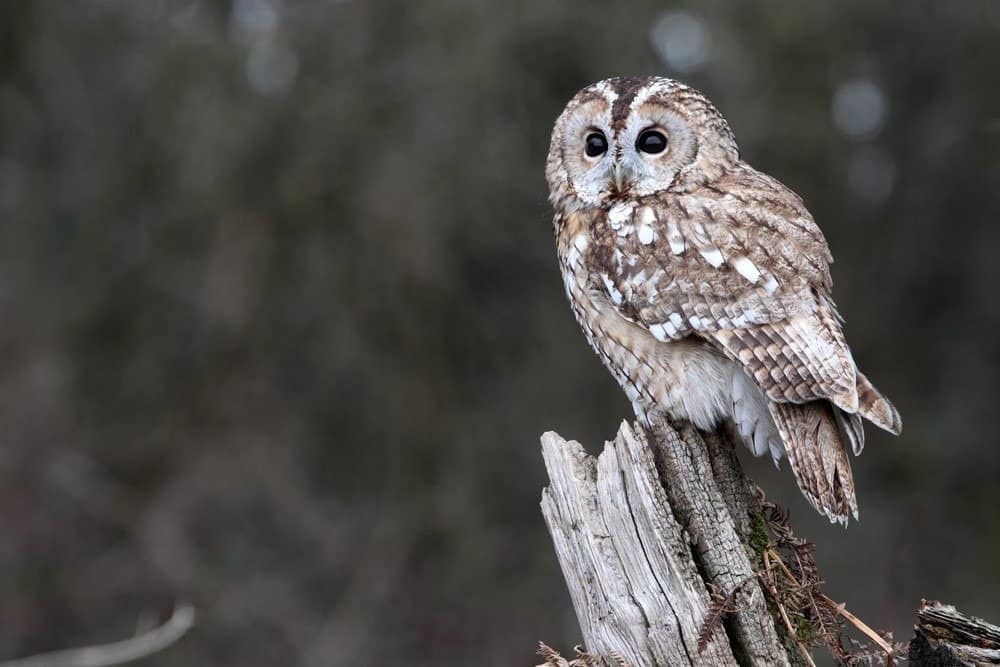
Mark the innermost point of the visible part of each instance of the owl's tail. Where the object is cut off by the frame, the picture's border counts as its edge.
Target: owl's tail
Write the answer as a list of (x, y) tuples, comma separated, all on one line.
[(876, 408), (816, 435)]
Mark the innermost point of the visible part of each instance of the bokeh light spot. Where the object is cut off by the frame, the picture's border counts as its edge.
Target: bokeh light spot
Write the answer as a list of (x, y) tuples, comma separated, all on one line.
[(859, 108), (681, 40)]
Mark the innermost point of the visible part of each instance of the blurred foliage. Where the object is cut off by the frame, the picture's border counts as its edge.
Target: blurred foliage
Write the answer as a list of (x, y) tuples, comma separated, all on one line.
[(282, 320)]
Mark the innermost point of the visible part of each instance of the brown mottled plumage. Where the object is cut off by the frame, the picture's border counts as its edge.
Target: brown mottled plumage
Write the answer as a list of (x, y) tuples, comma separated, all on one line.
[(704, 285)]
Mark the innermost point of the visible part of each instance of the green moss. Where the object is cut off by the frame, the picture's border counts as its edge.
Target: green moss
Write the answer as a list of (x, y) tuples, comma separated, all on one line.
[(760, 537), (803, 628)]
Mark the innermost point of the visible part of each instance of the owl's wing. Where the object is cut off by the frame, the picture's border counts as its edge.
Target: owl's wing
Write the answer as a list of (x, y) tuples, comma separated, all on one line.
[(742, 265)]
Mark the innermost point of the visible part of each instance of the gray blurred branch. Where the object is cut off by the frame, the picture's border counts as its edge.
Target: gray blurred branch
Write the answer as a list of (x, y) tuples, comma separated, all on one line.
[(117, 653)]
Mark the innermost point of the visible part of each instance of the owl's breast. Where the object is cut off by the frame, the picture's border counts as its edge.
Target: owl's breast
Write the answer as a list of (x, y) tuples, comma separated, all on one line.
[(684, 377)]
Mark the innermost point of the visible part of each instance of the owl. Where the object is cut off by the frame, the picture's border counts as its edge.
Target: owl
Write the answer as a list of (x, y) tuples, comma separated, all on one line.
[(704, 285)]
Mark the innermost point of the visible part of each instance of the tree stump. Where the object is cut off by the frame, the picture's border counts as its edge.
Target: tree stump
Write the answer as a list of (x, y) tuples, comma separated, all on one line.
[(650, 536), (669, 555)]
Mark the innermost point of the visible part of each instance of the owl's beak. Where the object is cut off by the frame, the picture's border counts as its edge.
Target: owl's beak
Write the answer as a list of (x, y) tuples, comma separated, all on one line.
[(621, 175)]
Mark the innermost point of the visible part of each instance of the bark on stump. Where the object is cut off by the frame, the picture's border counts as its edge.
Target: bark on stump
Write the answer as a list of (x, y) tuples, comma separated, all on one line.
[(659, 526), (643, 533)]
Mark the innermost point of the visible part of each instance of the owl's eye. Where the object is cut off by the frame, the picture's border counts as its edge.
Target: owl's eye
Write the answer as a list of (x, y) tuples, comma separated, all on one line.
[(651, 141), (595, 144)]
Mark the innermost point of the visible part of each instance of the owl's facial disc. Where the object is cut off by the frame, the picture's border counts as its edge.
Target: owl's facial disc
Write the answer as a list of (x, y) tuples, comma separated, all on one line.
[(607, 160), (633, 137)]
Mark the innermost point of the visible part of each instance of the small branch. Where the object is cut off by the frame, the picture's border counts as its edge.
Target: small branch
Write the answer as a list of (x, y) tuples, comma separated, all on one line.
[(946, 637), (117, 653)]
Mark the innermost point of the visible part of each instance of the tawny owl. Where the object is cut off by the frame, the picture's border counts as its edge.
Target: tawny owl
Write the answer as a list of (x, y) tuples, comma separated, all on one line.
[(703, 284)]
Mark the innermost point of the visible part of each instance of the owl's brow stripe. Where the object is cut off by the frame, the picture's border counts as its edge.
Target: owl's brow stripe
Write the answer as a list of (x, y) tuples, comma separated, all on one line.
[(627, 88)]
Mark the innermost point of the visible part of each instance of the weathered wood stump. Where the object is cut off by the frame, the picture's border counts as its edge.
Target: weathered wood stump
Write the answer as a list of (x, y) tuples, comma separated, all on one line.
[(672, 558), (645, 534)]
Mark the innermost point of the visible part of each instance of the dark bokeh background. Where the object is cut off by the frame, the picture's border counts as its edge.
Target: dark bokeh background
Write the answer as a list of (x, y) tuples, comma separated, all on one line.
[(282, 322)]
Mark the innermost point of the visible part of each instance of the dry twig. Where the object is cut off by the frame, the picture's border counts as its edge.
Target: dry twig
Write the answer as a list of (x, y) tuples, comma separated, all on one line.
[(583, 659)]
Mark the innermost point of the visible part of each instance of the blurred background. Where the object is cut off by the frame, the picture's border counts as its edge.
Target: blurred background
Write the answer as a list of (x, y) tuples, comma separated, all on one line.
[(282, 320)]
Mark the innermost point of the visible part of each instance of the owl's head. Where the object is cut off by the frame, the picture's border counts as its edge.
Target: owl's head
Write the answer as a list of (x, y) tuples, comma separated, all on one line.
[(632, 137)]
